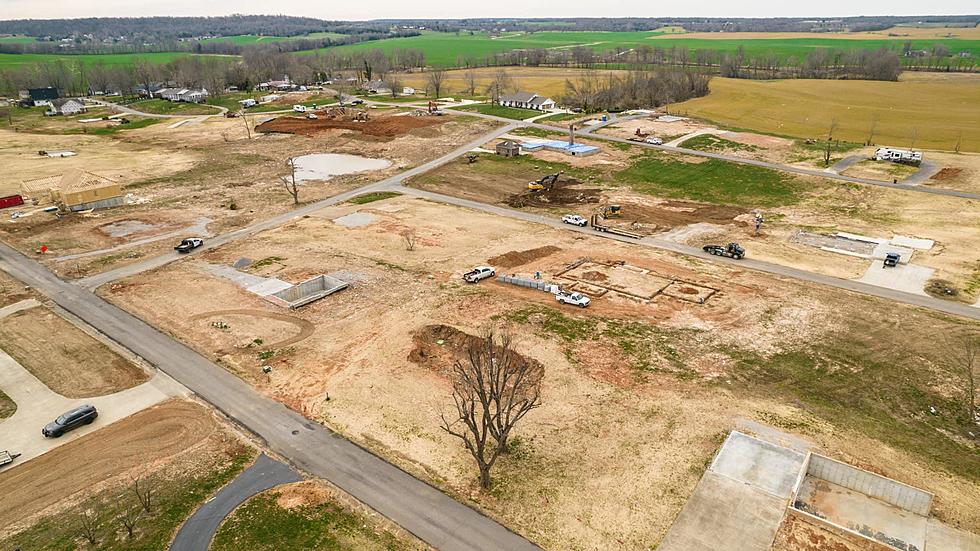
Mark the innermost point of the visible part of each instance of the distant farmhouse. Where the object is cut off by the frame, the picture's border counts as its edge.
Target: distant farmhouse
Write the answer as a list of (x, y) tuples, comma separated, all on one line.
[(377, 87), (527, 100), (282, 85), (187, 95), (65, 106), (36, 97), (76, 190)]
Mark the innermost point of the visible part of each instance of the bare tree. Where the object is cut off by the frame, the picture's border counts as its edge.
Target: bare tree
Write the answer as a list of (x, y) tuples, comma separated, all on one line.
[(248, 127), (915, 135), (499, 85), (434, 81), (964, 356), (129, 516), (959, 137), (289, 182), (470, 82), (88, 523), (143, 489), (873, 129), (395, 84), (492, 390), (830, 141), (410, 239)]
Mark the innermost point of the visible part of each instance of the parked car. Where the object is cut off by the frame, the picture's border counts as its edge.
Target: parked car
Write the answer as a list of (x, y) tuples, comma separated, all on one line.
[(478, 273), (70, 420), (654, 141), (299, 109), (575, 220), (357, 101), (311, 116), (575, 299), (891, 260), (189, 244)]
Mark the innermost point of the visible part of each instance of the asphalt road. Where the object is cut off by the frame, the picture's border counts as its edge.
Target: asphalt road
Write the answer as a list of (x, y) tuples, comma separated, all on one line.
[(95, 281), (419, 508), (196, 534), (744, 161), (924, 301)]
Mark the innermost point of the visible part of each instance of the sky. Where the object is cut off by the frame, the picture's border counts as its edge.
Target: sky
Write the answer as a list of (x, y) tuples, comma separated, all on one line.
[(427, 9)]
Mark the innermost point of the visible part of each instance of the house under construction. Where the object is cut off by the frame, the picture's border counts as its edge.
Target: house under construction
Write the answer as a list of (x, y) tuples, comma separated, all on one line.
[(75, 190)]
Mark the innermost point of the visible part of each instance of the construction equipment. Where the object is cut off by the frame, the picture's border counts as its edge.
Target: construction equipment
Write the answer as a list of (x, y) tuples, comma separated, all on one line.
[(470, 159), (612, 211), (733, 250), (597, 225), (546, 183)]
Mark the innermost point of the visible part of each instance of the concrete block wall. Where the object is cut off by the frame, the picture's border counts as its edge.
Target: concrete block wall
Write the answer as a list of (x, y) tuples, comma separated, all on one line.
[(885, 489), (529, 283)]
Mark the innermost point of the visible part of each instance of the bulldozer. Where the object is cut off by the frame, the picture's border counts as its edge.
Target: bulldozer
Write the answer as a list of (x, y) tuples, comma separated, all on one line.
[(612, 211), (546, 183)]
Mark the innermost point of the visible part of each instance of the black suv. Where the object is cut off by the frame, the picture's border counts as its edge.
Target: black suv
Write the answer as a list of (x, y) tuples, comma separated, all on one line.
[(70, 420)]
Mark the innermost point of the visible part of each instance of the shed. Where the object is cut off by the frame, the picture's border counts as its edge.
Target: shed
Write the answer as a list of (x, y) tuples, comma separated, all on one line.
[(508, 148)]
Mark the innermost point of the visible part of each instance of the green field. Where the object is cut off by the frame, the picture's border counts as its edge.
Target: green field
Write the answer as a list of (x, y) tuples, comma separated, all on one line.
[(164, 107), (444, 49), (17, 39), (500, 111), (8, 61)]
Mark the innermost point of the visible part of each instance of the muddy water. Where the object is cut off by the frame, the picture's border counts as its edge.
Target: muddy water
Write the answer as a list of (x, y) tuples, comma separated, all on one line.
[(323, 166)]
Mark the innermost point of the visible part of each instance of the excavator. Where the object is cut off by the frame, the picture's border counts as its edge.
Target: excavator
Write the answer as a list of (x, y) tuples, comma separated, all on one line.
[(545, 183), (612, 211)]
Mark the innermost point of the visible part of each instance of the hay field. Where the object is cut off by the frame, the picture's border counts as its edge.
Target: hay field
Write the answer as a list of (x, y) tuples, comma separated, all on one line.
[(936, 110)]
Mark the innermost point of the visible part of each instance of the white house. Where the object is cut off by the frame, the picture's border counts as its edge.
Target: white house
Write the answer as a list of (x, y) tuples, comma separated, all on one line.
[(377, 87), (246, 103), (169, 94), (527, 100), (66, 106), (193, 95), (408, 90)]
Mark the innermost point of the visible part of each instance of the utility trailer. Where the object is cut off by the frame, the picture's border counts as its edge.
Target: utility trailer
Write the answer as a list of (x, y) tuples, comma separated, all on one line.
[(6, 457), (597, 225)]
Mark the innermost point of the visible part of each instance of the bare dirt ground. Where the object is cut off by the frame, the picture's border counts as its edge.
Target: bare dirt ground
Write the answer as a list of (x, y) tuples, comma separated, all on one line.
[(207, 170), (66, 359), (637, 395), (172, 438), (796, 534), (880, 170), (959, 171), (387, 126)]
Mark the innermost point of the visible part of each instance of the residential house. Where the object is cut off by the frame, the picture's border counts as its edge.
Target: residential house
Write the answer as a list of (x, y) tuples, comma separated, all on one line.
[(283, 85), (37, 97), (377, 87), (408, 90), (527, 100), (65, 106), (193, 95), (76, 190)]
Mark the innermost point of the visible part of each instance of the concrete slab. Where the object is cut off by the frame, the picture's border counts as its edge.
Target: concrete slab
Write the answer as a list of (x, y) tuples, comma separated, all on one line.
[(725, 515), (883, 249), (912, 242), (940, 537), (37, 405), (269, 287), (759, 464), (262, 286), (904, 277), (18, 306), (862, 513), (355, 220)]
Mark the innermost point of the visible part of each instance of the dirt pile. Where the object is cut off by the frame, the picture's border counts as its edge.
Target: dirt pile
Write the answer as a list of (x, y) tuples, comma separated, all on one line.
[(438, 347), (947, 173), (671, 214), (519, 258), (385, 127)]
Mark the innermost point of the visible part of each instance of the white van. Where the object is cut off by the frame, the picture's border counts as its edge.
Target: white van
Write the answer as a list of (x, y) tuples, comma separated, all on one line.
[(299, 109)]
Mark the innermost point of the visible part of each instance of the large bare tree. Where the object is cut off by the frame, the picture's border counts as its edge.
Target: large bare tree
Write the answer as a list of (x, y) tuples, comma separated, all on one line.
[(289, 182), (434, 81), (493, 389), (963, 352)]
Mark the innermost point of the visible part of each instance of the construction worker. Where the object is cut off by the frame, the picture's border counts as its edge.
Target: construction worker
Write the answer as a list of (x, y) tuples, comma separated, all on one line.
[(758, 222)]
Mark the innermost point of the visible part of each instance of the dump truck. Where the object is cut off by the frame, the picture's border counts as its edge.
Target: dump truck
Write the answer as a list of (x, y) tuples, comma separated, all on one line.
[(732, 250)]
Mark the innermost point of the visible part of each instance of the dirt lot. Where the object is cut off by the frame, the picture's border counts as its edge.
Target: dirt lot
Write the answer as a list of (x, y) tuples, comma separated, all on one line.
[(66, 359), (206, 170), (177, 438), (637, 394), (796, 534), (386, 126)]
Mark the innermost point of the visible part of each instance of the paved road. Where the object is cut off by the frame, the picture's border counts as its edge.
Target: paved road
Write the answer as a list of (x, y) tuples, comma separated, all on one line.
[(744, 161), (924, 301), (95, 281), (196, 534), (430, 515), (198, 229)]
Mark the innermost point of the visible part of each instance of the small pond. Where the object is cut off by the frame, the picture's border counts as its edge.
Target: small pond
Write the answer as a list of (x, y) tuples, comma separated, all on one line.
[(323, 166)]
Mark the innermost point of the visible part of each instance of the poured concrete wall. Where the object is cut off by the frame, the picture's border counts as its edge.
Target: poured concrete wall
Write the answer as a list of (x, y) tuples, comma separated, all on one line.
[(887, 490), (308, 291)]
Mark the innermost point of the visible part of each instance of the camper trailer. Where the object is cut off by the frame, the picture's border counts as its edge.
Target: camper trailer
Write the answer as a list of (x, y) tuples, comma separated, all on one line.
[(903, 156)]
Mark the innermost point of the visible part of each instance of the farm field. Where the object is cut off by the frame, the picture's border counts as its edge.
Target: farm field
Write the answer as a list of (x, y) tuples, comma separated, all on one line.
[(17, 60), (547, 81), (938, 112), (445, 49), (247, 39), (641, 392)]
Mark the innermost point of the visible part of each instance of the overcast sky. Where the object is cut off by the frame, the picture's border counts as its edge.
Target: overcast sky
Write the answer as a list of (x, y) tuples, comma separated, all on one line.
[(419, 9)]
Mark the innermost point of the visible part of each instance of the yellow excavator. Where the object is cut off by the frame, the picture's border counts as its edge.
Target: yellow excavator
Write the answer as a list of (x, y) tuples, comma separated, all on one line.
[(612, 211), (545, 183)]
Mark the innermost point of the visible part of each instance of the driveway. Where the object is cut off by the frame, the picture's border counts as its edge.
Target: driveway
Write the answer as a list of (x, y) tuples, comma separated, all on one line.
[(37, 405), (907, 278), (196, 534)]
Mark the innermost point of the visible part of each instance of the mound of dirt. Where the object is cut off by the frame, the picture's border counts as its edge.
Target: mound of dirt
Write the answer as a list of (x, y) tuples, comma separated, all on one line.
[(947, 173), (564, 192), (384, 127), (428, 352), (520, 258), (671, 214), (593, 275)]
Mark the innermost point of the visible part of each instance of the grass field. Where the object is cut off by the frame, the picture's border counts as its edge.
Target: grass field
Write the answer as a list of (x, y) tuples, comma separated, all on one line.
[(938, 112), (16, 60), (246, 39), (164, 107), (445, 49), (500, 111), (17, 39)]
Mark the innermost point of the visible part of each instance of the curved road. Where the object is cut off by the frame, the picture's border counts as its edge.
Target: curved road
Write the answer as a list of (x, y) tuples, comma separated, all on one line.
[(131, 111), (198, 531)]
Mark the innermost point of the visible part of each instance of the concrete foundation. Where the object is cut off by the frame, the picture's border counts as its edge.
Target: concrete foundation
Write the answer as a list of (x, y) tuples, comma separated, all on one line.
[(308, 291)]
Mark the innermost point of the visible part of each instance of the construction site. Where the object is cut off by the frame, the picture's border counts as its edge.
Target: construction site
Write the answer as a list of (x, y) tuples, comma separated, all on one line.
[(761, 355)]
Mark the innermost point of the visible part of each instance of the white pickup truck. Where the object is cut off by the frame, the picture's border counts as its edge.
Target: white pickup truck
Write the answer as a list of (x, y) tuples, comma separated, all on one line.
[(575, 299), (478, 273)]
